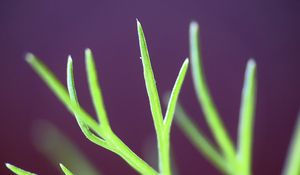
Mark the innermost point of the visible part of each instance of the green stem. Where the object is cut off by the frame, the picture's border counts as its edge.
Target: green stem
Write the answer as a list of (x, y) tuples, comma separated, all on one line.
[(206, 102), (164, 153), (129, 156)]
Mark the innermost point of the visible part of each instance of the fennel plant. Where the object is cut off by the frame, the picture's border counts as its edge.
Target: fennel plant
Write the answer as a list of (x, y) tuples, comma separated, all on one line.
[(227, 157)]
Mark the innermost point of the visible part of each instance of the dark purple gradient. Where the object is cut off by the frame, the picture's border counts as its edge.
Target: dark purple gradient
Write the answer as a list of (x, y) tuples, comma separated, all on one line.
[(231, 32)]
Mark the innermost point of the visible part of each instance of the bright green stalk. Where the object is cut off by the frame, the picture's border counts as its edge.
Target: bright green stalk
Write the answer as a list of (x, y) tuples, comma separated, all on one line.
[(165, 140), (60, 91), (95, 89), (113, 142), (245, 133), (150, 81), (17, 170), (73, 96), (162, 125), (65, 170), (163, 145), (199, 140), (211, 114), (292, 164), (174, 96)]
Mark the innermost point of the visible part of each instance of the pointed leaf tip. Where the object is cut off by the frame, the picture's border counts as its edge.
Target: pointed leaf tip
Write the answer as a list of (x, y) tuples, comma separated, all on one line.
[(8, 165), (87, 51), (65, 170), (29, 57), (61, 165), (70, 60), (194, 25), (138, 22), (251, 62), (17, 170), (186, 61)]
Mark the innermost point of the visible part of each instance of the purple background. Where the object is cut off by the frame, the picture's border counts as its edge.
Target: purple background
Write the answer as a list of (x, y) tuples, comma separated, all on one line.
[(231, 32)]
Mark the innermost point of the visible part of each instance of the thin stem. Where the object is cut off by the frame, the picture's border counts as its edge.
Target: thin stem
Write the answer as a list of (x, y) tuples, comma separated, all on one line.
[(115, 145), (174, 97), (150, 81), (95, 90), (211, 114), (163, 151), (199, 140), (73, 96), (292, 164), (17, 170), (60, 91), (130, 157), (111, 141), (245, 133), (65, 170)]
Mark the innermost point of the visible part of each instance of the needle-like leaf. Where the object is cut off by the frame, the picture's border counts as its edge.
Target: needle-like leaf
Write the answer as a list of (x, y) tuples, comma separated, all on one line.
[(73, 96), (60, 91), (292, 164), (245, 133), (113, 143), (95, 90), (163, 141), (150, 81), (174, 96), (65, 170), (17, 170), (210, 112), (199, 140)]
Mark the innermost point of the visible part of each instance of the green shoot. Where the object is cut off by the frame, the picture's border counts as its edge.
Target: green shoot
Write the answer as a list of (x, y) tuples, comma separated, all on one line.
[(210, 112), (227, 159), (60, 91), (18, 171), (292, 164), (199, 140), (99, 132), (111, 142), (162, 125), (246, 119), (150, 81), (174, 96), (72, 92), (95, 89), (65, 170)]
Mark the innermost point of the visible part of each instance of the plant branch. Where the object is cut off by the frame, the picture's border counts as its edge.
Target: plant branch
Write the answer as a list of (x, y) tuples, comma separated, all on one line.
[(245, 133), (210, 112)]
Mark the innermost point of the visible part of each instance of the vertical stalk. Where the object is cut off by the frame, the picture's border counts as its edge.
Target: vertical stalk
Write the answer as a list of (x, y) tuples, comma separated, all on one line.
[(164, 153), (129, 156)]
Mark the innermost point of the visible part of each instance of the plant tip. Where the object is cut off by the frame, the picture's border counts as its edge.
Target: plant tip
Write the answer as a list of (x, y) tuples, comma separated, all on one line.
[(70, 60), (194, 25), (8, 165), (137, 21), (29, 57), (186, 61), (139, 25), (87, 51), (251, 63), (61, 165)]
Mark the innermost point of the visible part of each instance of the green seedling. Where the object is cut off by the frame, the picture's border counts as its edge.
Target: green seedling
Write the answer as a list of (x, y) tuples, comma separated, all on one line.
[(225, 156), (99, 131)]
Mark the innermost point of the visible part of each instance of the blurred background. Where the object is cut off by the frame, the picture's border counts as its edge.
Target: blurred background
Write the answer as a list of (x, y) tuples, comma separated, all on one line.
[(231, 32)]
